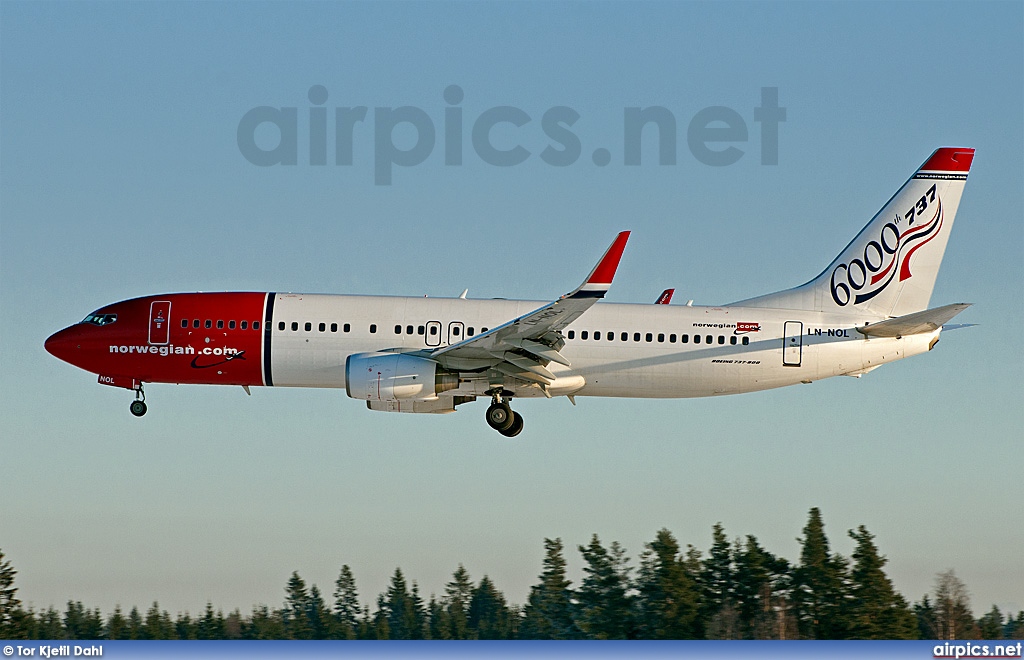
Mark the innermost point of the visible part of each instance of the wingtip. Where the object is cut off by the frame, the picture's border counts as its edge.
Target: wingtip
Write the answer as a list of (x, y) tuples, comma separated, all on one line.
[(604, 273)]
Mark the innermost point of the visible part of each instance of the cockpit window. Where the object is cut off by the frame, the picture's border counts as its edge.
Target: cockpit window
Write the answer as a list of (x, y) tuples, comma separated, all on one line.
[(100, 319)]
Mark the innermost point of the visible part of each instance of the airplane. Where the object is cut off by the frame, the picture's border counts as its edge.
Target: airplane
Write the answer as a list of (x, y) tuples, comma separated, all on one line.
[(431, 355)]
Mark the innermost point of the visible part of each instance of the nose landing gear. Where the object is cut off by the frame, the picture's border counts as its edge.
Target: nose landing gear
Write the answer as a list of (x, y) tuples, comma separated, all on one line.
[(502, 418), (138, 407)]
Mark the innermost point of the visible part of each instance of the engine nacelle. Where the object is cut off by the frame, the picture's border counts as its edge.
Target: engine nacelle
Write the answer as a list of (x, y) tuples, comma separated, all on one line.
[(395, 377)]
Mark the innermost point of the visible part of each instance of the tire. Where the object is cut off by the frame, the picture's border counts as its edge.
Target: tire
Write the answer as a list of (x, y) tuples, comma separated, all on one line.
[(516, 428), (500, 417), (138, 408)]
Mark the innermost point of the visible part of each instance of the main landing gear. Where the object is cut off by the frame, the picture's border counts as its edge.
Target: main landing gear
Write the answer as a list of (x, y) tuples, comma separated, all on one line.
[(138, 406), (502, 418)]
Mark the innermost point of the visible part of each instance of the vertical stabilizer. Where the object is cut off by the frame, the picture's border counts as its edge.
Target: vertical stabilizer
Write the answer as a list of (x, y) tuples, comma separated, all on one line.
[(889, 269)]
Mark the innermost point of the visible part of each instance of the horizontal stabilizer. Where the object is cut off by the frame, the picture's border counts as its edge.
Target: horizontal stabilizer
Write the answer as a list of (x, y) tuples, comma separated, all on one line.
[(914, 324)]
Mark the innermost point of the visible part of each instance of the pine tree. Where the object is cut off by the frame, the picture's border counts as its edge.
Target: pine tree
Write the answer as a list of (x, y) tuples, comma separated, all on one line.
[(50, 626), (1014, 628), (400, 610), (605, 610), (818, 593), (157, 624), (346, 603), (295, 613), (457, 594), (439, 627), (668, 600), (489, 616), (548, 613), (718, 607), (991, 625), (761, 588), (876, 610), (321, 623), (211, 625), (184, 628), (9, 604), (925, 614)]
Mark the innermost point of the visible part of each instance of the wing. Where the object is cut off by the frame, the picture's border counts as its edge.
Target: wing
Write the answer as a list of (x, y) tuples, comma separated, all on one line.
[(524, 346), (912, 324)]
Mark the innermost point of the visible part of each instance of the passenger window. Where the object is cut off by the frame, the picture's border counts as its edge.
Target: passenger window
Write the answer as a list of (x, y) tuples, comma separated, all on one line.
[(280, 325), (571, 334), (696, 339), (583, 334), (624, 336), (470, 331), (683, 339), (398, 329), (597, 334), (334, 327), (255, 325), (195, 323), (421, 330), (746, 340), (184, 323), (231, 325), (721, 339), (649, 337), (661, 337), (433, 330), (636, 336), (408, 329), (709, 339), (610, 336), (373, 328), (672, 339), (322, 327), (295, 326), (732, 340), (308, 326), (346, 328), (483, 329), (245, 325), (220, 325), (455, 330), (209, 323)]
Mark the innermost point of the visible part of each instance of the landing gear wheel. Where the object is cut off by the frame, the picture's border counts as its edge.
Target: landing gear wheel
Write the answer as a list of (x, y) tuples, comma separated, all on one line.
[(138, 408), (516, 428), (500, 417)]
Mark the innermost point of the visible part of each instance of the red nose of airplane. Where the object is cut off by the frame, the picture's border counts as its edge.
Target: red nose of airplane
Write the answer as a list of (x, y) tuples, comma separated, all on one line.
[(64, 345)]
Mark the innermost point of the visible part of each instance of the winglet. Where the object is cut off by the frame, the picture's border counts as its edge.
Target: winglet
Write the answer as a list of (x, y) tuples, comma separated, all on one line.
[(600, 279), (665, 297)]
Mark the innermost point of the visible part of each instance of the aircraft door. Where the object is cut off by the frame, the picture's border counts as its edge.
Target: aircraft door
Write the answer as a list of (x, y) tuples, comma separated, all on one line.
[(433, 336), (792, 343), (456, 332), (159, 322)]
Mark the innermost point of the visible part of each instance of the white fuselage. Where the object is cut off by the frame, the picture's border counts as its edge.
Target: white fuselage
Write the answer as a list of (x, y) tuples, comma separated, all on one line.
[(643, 350)]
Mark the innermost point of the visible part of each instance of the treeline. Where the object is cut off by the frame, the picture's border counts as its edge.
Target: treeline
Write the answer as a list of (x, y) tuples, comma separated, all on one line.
[(738, 590)]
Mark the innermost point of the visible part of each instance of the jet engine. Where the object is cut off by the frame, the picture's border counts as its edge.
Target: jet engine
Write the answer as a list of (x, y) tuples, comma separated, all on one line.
[(395, 376)]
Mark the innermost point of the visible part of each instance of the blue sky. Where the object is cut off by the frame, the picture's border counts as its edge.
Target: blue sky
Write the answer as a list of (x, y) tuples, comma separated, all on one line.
[(120, 175)]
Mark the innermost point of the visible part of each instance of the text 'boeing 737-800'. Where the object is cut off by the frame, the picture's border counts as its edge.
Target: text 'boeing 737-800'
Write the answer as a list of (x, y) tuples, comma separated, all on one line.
[(431, 355)]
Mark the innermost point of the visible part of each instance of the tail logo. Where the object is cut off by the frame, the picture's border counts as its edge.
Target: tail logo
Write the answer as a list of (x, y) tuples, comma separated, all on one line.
[(865, 277)]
